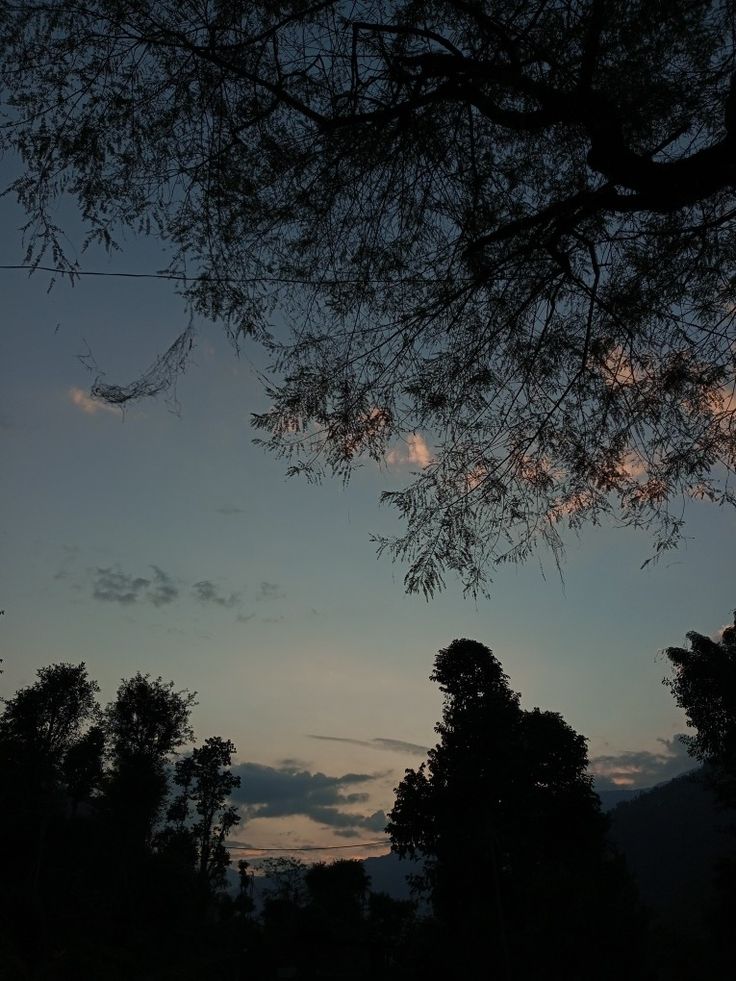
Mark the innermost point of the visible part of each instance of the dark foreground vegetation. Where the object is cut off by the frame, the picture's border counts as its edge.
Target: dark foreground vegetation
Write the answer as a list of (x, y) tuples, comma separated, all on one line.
[(114, 846)]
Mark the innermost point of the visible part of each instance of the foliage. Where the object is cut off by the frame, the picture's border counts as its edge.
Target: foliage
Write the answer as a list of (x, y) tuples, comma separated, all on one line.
[(50, 715), (50, 752), (148, 718), (285, 880), (339, 890), (87, 888), (145, 724), (206, 783), (504, 815), (704, 685), (507, 230)]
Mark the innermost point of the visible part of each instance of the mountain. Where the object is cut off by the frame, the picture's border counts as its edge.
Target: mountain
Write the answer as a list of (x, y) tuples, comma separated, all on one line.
[(612, 798), (672, 836), (388, 874)]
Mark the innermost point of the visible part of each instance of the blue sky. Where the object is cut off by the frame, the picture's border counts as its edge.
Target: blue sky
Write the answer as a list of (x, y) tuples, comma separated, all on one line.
[(167, 542)]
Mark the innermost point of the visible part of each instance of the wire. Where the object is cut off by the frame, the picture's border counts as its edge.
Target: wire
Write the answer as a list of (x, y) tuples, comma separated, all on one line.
[(182, 278)]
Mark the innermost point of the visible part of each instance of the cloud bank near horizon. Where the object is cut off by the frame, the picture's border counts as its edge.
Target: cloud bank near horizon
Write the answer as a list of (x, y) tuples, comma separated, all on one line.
[(641, 768), (288, 791)]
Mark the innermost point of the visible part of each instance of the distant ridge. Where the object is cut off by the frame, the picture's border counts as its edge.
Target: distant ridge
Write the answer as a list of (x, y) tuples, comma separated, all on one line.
[(672, 836), (612, 798)]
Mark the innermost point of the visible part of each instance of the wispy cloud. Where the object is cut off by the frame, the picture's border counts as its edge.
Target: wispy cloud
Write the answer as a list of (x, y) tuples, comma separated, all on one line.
[(230, 510), (641, 768), (88, 405), (286, 791), (390, 745), (205, 591), (112, 585), (163, 589), (270, 591)]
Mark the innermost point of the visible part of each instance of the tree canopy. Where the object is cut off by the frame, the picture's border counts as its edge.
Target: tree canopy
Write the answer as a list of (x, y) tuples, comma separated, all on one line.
[(504, 816), (703, 682), (503, 233)]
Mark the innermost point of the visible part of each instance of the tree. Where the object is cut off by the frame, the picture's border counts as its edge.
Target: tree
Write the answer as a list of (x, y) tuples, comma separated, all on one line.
[(50, 746), (339, 891), (147, 722), (206, 782), (285, 877), (504, 816), (704, 685), (503, 233), (50, 761), (50, 715)]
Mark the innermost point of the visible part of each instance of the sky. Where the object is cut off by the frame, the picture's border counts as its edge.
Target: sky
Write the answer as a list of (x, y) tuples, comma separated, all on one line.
[(163, 540)]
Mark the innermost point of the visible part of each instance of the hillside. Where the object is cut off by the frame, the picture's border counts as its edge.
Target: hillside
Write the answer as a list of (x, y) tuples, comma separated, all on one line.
[(672, 837)]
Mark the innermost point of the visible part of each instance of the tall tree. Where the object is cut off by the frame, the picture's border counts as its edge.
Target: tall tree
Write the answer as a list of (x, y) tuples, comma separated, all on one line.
[(503, 233), (206, 782), (504, 816), (146, 723), (50, 761), (50, 750), (703, 683)]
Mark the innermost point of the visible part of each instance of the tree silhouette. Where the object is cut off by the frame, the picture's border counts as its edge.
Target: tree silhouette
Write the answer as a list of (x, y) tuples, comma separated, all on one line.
[(145, 724), (50, 762), (206, 783), (90, 885), (513, 841), (508, 232), (704, 685), (339, 890)]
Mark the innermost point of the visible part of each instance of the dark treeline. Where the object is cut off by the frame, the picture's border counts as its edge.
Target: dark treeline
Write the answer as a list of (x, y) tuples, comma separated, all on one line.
[(115, 859)]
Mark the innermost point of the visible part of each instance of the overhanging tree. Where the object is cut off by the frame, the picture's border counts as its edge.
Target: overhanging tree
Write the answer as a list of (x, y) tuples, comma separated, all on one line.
[(508, 228)]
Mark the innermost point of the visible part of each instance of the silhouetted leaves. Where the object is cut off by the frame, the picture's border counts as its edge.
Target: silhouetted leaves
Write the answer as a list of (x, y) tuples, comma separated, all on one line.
[(506, 231), (504, 815)]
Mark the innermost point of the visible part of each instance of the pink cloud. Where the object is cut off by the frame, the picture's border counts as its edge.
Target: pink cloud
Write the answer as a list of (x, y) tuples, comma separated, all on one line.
[(88, 405), (417, 453)]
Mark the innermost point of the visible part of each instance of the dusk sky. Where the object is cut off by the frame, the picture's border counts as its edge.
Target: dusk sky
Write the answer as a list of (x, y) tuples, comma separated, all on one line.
[(166, 542)]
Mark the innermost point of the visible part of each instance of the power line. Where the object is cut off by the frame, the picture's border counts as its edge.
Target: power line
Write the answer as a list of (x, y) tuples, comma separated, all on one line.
[(243, 280)]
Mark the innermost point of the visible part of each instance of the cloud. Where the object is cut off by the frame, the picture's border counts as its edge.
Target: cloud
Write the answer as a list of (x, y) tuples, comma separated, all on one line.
[(228, 511), (640, 768), (286, 791), (112, 585), (270, 591), (244, 617), (206, 592), (163, 588), (400, 746), (116, 586), (391, 745), (417, 453), (88, 405)]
